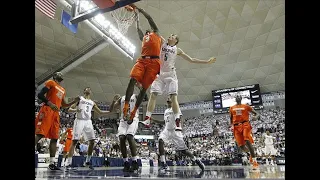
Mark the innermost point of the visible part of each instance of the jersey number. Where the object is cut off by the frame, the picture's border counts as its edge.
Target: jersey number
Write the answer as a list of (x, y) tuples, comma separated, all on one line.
[(238, 112), (165, 56), (87, 108), (59, 94)]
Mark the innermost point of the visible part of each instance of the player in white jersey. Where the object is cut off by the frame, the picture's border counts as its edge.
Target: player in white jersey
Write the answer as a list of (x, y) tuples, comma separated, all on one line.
[(126, 131), (83, 125), (269, 149), (167, 82), (173, 134)]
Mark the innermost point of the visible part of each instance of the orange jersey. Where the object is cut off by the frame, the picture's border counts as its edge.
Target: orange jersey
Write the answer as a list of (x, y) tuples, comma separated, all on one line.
[(69, 133), (56, 93), (151, 45), (240, 113)]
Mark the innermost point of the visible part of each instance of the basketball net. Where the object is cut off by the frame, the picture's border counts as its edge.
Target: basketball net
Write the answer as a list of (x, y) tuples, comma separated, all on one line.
[(124, 18)]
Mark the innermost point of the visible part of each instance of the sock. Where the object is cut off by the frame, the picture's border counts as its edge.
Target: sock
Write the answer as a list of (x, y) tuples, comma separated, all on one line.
[(125, 159), (162, 158), (148, 114), (52, 160), (134, 158), (88, 158)]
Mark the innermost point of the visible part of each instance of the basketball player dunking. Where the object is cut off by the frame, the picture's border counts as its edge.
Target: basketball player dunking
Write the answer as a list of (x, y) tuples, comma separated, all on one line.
[(83, 124), (239, 119), (173, 134), (167, 81), (127, 131), (48, 118), (146, 68)]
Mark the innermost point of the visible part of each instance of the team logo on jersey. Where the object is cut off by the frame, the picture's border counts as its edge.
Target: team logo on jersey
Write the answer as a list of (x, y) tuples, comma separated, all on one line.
[(172, 51)]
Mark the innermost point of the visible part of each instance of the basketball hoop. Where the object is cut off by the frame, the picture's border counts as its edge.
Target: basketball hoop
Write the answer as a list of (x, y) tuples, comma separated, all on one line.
[(124, 17)]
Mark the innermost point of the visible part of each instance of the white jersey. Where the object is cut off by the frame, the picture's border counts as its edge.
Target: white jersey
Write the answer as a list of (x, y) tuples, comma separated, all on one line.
[(268, 140), (170, 119), (168, 57), (86, 106), (132, 103)]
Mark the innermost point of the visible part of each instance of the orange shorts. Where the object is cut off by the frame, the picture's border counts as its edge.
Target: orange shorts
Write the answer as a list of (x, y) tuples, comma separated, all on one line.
[(145, 71), (48, 123), (242, 133), (67, 145)]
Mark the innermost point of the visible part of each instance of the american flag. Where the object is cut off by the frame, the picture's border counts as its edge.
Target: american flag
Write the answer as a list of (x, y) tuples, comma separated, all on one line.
[(47, 7)]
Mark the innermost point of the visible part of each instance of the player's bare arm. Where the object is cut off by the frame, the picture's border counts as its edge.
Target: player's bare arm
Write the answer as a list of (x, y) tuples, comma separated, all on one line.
[(256, 115), (66, 104), (140, 33), (195, 60), (153, 25), (99, 111), (115, 102), (42, 97), (73, 108)]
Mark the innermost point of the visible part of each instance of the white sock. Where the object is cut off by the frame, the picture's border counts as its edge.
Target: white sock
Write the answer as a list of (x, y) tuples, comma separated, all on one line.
[(52, 160), (125, 159), (148, 114), (69, 160), (134, 158), (162, 158), (88, 158)]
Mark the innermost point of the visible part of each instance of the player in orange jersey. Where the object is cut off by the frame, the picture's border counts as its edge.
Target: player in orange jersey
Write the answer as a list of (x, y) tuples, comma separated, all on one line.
[(48, 118), (67, 138), (147, 66), (239, 119)]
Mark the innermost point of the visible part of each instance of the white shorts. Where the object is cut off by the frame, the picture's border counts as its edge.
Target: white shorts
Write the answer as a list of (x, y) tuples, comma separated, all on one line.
[(84, 127), (269, 149), (176, 137), (124, 128), (165, 83)]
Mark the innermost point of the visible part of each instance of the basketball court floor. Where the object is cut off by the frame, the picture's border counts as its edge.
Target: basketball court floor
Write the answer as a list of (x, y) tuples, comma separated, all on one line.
[(177, 172)]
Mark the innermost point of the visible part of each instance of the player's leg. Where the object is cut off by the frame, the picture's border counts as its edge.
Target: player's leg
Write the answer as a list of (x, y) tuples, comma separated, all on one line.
[(53, 135), (123, 149), (152, 69), (172, 89), (88, 132), (43, 123), (162, 138), (137, 73), (66, 150), (177, 138), (131, 131), (77, 130), (246, 136), (155, 90)]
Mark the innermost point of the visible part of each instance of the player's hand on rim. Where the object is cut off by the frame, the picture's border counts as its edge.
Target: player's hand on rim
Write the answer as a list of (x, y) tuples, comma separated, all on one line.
[(212, 60)]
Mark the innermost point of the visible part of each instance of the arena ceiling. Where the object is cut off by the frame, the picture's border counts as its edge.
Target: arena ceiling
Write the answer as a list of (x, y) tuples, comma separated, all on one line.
[(246, 36)]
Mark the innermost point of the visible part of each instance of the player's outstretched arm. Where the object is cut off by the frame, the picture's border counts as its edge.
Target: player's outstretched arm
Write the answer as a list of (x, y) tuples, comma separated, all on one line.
[(73, 108), (99, 111), (256, 115), (115, 102), (153, 25), (66, 104), (195, 60), (140, 33)]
